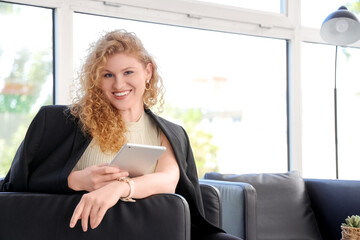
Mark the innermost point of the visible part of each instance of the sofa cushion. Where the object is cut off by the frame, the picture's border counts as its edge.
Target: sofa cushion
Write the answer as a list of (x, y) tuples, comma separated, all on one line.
[(283, 206)]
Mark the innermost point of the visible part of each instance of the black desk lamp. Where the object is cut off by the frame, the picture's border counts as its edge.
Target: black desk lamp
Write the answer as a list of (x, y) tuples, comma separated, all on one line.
[(339, 28)]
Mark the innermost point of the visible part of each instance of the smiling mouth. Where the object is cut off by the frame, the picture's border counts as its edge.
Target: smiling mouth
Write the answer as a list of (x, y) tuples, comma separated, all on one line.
[(120, 94)]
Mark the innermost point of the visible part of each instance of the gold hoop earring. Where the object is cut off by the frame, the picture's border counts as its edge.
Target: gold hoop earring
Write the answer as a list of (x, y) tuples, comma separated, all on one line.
[(147, 86)]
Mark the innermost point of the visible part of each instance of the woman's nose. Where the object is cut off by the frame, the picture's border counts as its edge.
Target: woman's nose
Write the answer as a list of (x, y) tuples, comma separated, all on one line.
[(118, 82)]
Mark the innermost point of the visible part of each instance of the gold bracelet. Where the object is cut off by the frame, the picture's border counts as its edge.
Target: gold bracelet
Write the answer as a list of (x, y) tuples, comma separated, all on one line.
[(132, 189)]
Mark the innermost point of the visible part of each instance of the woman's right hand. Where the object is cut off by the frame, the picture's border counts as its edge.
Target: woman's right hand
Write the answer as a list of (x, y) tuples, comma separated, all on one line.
[(94, 177)]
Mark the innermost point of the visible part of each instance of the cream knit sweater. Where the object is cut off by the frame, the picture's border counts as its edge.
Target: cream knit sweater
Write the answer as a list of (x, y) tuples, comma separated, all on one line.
[(144, 131)]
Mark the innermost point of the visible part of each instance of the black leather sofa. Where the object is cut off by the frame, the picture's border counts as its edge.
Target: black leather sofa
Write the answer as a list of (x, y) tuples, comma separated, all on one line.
[(284, 206)]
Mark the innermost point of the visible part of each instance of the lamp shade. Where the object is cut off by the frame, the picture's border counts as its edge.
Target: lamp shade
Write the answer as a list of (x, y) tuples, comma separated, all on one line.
[(341, 27)]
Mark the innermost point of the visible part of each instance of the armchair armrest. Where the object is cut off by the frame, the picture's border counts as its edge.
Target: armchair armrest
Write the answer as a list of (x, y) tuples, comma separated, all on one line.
[(1, 182), (238, 205), (332, 201), (47, 216), (212, 204)]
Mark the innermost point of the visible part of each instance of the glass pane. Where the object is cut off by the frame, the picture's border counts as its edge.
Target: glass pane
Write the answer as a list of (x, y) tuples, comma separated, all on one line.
[(313, 13), (318, 129), (318, 78), (348, 91), (261, 5), (227, 90), (26, 78)]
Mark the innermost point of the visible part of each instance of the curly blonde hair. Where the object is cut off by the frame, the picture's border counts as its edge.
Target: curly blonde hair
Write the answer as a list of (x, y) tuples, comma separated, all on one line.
[(96, 115)]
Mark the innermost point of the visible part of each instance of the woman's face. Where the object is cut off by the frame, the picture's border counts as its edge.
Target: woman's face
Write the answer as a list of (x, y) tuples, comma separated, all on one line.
[(123, 82)]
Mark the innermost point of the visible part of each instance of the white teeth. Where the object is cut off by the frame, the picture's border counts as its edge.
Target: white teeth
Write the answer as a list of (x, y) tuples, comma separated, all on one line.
[(121, 94)]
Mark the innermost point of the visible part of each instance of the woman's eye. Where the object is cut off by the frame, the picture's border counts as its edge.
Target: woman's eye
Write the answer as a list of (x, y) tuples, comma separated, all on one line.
[(128, 72), (108, 75)]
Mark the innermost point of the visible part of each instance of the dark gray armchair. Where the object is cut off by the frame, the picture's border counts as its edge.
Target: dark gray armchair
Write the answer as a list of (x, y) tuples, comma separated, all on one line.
[(47, 216)]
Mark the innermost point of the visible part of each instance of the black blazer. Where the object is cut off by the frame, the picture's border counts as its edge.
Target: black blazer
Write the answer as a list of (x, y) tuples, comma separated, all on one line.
[(54, 143)]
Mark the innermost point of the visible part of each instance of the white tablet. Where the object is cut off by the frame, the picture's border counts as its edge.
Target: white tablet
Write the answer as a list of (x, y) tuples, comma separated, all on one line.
[(137, 159)]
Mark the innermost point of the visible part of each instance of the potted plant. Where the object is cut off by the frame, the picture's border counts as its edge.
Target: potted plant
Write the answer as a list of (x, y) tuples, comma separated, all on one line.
[(351, 229)]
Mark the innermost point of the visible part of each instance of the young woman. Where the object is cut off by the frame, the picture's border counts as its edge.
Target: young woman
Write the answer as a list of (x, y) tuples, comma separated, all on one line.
[(68, 148)]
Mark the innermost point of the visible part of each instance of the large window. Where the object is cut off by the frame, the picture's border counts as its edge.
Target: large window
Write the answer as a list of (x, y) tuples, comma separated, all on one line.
[(26, 72), (225, 76), (227, 90)]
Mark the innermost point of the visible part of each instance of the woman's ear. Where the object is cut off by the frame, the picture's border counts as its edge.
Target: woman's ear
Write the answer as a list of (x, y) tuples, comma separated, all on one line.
[(149, 71)]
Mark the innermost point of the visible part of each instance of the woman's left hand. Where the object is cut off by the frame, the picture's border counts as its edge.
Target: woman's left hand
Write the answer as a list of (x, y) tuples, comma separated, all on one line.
[(94, 205)]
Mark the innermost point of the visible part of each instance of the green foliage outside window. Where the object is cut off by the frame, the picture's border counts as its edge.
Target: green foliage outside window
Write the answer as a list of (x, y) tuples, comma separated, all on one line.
[(205, 152), (22, 90)]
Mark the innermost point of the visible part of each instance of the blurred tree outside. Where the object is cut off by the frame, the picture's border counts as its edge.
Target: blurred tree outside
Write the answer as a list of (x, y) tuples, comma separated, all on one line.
[(24, 84), (354, 7), (205, 152)]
